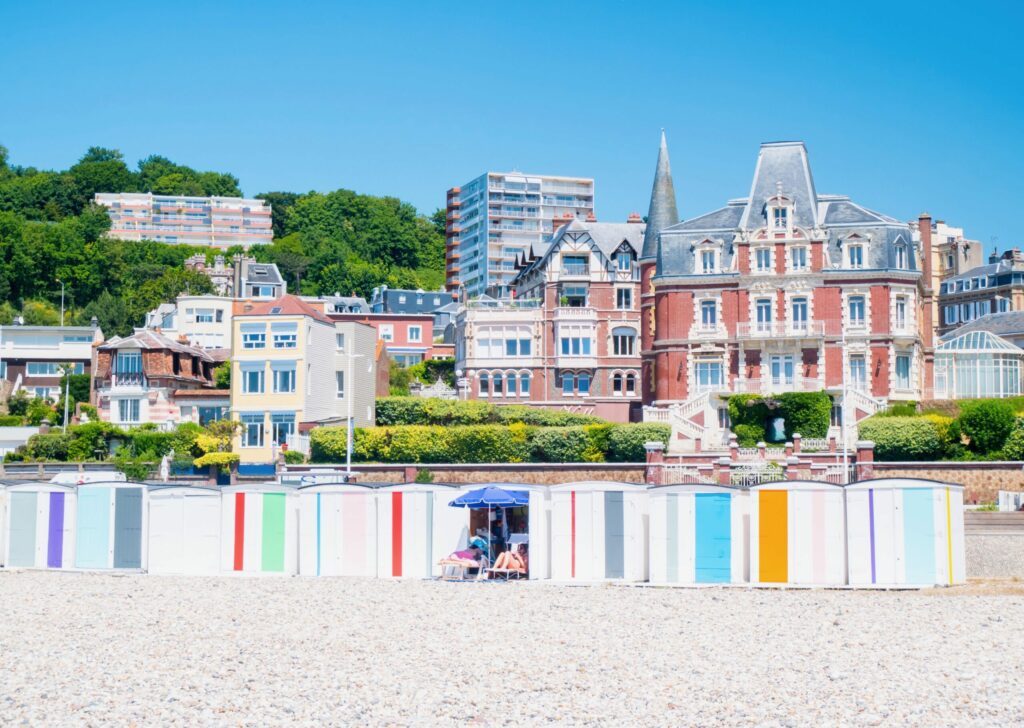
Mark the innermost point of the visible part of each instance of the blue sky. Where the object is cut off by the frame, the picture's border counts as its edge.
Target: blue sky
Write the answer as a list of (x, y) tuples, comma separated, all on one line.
[(904, 106)]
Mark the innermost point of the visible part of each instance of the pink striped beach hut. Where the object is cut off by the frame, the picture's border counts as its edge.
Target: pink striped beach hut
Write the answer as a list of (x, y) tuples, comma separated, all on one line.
[(338, 530)]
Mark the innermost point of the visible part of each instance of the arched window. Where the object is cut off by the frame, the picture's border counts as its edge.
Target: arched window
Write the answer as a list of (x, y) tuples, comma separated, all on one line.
[(499, 385), (617, 383), (485, 388), (510, 378), (524, 384), (630, 383)]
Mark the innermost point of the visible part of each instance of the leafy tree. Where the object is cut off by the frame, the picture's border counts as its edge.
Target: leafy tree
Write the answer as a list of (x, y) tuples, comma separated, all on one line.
[(440, 221), (280, 204), (40, 313), (222, 376)]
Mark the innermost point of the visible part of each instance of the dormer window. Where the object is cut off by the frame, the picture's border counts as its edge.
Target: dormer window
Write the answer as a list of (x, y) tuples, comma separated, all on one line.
[(624, 261), (780, 218), (901, 257), (855, 256), (708, 264)]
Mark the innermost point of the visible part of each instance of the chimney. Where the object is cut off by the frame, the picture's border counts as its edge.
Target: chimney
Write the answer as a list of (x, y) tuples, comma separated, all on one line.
[(924, 228), (994, 257), (634, 218), (591, 217)]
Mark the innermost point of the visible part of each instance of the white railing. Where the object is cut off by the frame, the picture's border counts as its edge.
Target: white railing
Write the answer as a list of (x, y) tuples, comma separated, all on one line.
[(657, 414), (684, 475), (748, 453), (779, 329), (298, 443), (692, 406), (754, 473), (814, 444), (575, 313), (776, 384), (862, 400), (775, 453), (835, 474)]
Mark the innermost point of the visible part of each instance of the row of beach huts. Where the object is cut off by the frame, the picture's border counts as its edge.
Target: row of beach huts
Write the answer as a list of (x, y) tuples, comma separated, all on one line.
[(875, 533)]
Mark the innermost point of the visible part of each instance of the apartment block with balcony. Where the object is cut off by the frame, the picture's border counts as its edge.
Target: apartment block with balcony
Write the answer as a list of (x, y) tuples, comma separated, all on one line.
[(498, 217), (217, 222), (149, 377), (33, 358), (785, 290), (293, 368), (570, 337), (994, 288)]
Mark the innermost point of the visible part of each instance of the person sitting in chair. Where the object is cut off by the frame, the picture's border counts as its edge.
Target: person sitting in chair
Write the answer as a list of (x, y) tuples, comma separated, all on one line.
[(472, 555), (514, 560)]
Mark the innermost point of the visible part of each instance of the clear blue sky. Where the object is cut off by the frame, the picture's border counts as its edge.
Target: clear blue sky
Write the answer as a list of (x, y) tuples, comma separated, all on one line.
[(904, 106)]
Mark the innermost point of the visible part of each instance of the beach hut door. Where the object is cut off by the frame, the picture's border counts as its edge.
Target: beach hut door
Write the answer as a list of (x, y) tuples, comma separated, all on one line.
[(23, 529), (128, 528)]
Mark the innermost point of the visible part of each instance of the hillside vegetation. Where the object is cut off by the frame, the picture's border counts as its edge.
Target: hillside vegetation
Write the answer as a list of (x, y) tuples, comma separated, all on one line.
[(325, 242)]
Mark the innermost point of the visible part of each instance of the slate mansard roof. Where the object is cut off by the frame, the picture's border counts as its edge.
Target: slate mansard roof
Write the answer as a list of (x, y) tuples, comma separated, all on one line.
[(783, 167), (607, 237)]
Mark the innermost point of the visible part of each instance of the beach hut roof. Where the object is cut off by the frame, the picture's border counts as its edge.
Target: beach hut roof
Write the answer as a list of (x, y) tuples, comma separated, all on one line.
[(797, 485), (174, 489), (695, 488), (338, 487), (40, 487), (419, 487), (598, 485), (877, 483), (258, 488)]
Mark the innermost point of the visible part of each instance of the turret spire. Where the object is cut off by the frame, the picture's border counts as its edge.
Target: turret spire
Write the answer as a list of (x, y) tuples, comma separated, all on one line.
[(662, 212)]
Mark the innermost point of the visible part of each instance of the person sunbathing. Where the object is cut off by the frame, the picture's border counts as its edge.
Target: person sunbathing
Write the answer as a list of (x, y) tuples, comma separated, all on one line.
[(513, 560), (472, 555)]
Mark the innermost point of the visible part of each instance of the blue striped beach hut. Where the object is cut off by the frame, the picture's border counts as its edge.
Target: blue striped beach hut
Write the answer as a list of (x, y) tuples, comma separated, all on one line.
[(698, 534)]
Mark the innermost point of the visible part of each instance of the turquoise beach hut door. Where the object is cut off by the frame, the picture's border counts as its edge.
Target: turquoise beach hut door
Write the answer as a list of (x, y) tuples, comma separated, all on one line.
[(713, 538), (93, 546), (128, 528), (23, 530)]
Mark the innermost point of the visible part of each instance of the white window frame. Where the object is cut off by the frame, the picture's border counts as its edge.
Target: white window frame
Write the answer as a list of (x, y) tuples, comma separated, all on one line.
[(415, 333), (387, 332)]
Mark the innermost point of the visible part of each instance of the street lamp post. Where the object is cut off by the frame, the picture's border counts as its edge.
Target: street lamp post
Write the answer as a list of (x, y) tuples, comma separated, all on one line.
[(349, 395), (67, 389), (61, 301)]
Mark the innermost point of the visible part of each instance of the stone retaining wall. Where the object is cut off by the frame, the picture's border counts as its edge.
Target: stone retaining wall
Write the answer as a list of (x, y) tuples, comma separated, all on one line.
[(981, 481)]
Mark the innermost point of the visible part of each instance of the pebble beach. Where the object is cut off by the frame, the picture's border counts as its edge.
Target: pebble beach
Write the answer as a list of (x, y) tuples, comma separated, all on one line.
[(96, 649)]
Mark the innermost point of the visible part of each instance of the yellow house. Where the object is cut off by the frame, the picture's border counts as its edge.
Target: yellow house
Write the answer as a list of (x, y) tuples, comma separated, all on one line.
[(293, 368)]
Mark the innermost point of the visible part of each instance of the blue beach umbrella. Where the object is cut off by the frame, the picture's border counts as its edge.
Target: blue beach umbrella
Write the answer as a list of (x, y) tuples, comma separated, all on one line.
[(491, 497)]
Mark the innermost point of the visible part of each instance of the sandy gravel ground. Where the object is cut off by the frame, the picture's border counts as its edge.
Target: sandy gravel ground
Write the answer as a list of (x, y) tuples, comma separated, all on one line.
[(143, 650)]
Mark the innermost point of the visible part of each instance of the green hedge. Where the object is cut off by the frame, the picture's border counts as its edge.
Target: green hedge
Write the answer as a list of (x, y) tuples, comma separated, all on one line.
[(986, 424), (433, 411), (903, 438), (515, 443), (805, 412)]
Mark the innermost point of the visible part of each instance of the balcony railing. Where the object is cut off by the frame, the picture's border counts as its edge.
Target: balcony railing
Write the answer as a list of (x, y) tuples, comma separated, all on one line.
[(575, 313), (575, 269), (128, 379), (779, 329), (776, 384)]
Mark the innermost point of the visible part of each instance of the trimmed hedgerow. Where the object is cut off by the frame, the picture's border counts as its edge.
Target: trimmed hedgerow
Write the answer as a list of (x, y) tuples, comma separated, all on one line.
[(433, 411), (805, 412), (513, 443), (626, 442), (903, 438), (986, 424)]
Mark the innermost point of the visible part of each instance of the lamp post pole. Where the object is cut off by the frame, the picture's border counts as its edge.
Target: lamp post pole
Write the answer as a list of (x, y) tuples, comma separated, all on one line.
[(67, 390), (348, 392), (61, 302), (842, 414)]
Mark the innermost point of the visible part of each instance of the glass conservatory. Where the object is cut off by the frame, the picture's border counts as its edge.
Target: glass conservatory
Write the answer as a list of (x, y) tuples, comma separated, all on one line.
[(977, 364)]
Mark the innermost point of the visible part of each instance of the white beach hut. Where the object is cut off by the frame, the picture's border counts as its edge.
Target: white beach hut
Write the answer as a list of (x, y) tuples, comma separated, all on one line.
[(184, 530), (416, 528), (110, 528), (698, 534), (338, 527), (797, 533), (3, 524), (40, 523), (599, 531), (259, 529), (905, 532)]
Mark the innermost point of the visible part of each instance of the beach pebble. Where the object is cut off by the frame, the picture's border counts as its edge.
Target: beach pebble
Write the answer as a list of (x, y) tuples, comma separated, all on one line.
[(143, 650)]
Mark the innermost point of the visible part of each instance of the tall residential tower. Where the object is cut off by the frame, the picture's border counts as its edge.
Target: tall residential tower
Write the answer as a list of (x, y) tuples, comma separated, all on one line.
[(498, 217)]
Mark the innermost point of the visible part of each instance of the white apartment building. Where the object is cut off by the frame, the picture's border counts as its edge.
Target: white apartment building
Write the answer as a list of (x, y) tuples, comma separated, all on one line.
[(501, 216), (218, 222), (32, 357)]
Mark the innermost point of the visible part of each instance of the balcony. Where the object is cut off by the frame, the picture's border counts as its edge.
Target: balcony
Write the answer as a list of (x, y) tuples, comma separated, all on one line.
[(776, 385), (707, 331), (575, 313), (575, 270), (135, 380), (780, 330)]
